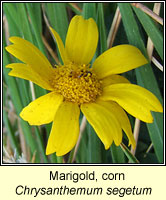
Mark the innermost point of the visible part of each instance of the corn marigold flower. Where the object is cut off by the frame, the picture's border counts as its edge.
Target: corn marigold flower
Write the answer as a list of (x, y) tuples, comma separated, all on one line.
[(98, 91)]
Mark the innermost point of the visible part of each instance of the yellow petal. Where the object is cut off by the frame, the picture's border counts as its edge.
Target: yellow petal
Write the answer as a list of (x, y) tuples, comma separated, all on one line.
[(104, 123), (65, 129), (42, 110), (118, 59), (29, 54), (122, 118), (134, 99), (26, 72), (60, 46), (113, 79), (81, 40)]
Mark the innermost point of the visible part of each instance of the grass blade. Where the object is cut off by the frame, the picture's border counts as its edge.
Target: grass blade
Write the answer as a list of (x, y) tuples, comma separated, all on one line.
[(34, 10), (101, 26), (89, 10), (117, 154), (57, 16), (25, 27), (151, 29), (94, 146), (129, 155), (145, 77), (12, 18), (40, 145)]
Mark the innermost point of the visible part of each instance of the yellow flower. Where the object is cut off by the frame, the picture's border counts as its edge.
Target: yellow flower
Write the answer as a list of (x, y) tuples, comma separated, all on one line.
[(97, 91)]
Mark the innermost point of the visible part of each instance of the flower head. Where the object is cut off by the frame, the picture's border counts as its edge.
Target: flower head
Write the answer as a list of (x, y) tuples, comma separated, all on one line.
[(98, 91)]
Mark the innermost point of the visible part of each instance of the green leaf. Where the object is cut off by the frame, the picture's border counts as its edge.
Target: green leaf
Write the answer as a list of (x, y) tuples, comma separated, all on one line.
[(40, 144), (145, 77), (34, 11), (151, 29), (12, 18), (117, 154), (89, 10), (57, 16), (101, 26), (129, 155), (81, 156), (25, 27), (94, 146)]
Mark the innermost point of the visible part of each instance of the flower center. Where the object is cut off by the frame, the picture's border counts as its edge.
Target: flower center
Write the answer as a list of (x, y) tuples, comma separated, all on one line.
[(76, 83)]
